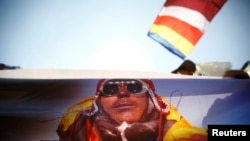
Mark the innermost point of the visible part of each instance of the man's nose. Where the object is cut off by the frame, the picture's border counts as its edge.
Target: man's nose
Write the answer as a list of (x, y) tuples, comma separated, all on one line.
[(123, 91)]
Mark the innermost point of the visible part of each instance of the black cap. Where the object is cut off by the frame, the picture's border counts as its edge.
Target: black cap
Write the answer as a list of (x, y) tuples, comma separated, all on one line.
[(187, 65)]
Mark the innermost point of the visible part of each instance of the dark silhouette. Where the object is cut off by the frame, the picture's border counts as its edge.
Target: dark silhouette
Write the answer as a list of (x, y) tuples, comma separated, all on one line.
[(7, 67)]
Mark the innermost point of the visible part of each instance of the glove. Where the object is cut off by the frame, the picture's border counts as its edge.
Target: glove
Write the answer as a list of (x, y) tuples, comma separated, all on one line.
[(107, 129), (146, 131)]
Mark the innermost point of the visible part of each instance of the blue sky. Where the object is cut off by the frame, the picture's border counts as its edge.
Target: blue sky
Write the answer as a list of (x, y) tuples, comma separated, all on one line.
[(110, 35)]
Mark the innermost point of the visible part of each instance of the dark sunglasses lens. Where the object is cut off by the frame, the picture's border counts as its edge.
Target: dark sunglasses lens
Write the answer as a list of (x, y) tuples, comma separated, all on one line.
[(110, 89), (134, 87)]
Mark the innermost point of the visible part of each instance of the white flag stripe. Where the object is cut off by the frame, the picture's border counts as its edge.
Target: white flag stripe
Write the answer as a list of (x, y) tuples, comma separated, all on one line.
[(187, 15)]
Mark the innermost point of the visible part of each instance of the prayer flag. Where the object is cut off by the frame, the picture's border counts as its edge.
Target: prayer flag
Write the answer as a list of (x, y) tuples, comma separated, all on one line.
[(181, 23)]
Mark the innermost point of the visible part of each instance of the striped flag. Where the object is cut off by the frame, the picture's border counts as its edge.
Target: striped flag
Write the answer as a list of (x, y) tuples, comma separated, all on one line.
[(181, 23)]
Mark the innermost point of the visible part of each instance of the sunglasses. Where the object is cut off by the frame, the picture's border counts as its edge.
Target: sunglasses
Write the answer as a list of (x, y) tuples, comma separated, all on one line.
[(111, 87)]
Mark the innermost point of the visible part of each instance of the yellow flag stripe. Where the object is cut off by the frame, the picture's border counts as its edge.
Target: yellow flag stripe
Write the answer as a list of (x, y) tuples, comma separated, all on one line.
[(174, 38)]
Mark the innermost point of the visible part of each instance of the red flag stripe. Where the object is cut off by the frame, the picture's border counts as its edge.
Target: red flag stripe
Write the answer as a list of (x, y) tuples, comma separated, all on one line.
[(190, 33), (209, 8), (187, 15)]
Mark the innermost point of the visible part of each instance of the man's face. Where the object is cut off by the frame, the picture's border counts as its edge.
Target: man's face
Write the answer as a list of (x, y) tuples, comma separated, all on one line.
[(185, 72), (124, 100)]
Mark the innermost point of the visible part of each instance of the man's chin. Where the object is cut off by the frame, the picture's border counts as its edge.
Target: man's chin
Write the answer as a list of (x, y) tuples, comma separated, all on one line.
[(126, 116), (127, 120)]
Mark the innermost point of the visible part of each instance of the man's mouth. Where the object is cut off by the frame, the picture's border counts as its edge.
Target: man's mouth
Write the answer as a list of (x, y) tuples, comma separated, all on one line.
[(123, 106)]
